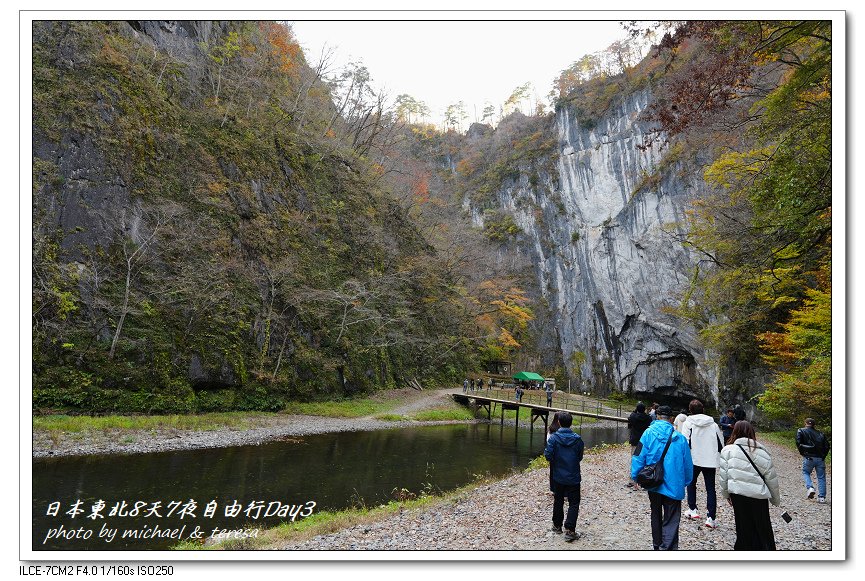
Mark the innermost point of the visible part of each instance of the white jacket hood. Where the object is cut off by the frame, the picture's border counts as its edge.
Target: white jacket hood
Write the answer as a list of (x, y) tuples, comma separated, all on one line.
[(701, 420)]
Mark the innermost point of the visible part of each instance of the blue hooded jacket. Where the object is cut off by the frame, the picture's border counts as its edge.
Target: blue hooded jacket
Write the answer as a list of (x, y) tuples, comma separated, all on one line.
[(565, 451), (678, 466)]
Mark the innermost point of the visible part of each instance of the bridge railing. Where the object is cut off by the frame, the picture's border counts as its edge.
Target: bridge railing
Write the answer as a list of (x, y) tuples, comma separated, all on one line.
[(562, 399)]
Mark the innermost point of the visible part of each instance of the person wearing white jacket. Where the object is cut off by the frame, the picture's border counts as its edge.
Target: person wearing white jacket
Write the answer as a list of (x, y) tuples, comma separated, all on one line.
[(705, 439), (749, 482)]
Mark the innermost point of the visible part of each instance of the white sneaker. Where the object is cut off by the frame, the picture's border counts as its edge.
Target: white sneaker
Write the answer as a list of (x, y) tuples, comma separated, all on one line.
[(692, 513), (710, 522), (811, 493), (821, 500)]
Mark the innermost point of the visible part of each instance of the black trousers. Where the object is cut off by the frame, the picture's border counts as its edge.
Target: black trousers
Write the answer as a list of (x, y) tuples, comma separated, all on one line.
[(753, 527), (666, 514), (709, 480), (572, 493)]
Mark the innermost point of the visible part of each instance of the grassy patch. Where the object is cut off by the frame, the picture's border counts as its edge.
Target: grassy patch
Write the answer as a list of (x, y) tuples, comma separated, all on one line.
[(538, 463), (55, 424), (390, 417), (441, 415), (348, 408), (786, 438)]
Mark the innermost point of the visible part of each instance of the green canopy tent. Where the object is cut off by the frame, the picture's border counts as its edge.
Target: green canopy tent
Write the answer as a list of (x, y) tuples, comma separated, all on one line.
[(527, 376)]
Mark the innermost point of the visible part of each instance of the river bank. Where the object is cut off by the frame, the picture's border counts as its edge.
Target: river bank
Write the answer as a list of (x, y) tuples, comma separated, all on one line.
[(396, 409), (257, 429), (515, 514)]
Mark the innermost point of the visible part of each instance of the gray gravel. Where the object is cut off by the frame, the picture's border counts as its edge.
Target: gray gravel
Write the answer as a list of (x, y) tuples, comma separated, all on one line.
[(515, 514)]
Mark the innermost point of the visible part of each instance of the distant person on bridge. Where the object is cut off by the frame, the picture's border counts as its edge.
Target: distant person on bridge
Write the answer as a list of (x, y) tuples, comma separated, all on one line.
[(465, 385), (665, 499), (564, 450)]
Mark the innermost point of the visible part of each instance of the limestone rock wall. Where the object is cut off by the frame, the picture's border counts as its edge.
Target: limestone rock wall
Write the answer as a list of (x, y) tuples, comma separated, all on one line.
[(602, 234)]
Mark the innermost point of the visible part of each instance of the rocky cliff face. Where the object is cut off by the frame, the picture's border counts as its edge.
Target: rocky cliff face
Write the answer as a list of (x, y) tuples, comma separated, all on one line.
[(602, 233)]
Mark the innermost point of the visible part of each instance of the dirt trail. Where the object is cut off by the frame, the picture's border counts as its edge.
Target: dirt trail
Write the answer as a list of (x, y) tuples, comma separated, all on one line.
[(429, 399)]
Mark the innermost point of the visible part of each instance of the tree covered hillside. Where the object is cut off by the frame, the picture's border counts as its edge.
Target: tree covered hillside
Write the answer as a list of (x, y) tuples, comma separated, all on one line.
[(213, 228)]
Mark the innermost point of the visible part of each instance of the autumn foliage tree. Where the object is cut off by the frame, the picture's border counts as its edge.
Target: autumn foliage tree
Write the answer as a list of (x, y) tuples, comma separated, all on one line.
[(764, 238), (801, 354)]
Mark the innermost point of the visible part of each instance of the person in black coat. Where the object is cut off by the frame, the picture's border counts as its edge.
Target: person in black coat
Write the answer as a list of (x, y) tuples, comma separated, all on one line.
[(638, 421), (814, 447)]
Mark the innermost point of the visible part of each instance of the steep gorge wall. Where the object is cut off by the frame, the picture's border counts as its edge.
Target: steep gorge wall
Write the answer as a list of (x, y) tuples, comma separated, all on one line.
[(602, 234)]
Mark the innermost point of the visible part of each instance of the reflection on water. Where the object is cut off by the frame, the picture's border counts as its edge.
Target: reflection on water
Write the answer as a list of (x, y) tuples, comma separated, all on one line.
[(334, 470)]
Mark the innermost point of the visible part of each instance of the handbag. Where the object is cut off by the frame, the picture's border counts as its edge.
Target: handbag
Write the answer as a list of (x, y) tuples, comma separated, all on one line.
[(652, 475)]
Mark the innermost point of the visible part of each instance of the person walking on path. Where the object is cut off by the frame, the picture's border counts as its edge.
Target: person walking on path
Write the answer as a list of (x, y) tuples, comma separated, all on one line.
[(814, 446), (549, 390), (665, 499), (727, 421), (564, 450), (638, 421), (706, 442), (749, 482), (466, 386)]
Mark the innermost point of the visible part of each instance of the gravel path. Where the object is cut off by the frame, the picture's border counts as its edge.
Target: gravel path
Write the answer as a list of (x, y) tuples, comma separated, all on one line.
[(515, 514)]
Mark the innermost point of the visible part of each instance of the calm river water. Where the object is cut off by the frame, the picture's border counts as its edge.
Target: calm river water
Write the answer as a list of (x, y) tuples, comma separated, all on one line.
[(333, 471)]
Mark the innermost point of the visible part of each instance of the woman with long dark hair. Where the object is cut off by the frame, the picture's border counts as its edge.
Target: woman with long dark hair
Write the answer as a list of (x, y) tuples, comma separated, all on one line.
[(749, 482)]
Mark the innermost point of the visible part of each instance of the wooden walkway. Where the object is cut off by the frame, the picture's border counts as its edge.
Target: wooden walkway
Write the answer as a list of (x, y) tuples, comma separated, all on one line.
[(535, 410)]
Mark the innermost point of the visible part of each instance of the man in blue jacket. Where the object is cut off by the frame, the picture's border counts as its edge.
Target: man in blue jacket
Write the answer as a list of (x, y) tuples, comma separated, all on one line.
[(666, 499), (565, 451)]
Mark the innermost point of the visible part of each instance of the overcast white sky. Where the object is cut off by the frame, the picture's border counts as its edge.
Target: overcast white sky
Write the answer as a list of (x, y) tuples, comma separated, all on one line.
[(442, 63)]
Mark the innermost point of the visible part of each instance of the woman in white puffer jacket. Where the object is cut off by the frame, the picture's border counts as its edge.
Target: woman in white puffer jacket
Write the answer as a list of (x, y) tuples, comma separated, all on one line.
[(747, 491)]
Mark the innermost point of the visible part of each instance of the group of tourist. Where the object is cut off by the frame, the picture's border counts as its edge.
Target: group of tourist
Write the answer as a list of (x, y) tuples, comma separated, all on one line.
[(685, 448), (474, 384)]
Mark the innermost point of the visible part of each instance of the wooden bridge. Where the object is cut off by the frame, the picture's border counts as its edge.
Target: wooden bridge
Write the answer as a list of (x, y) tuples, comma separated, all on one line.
[(535, 410)]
